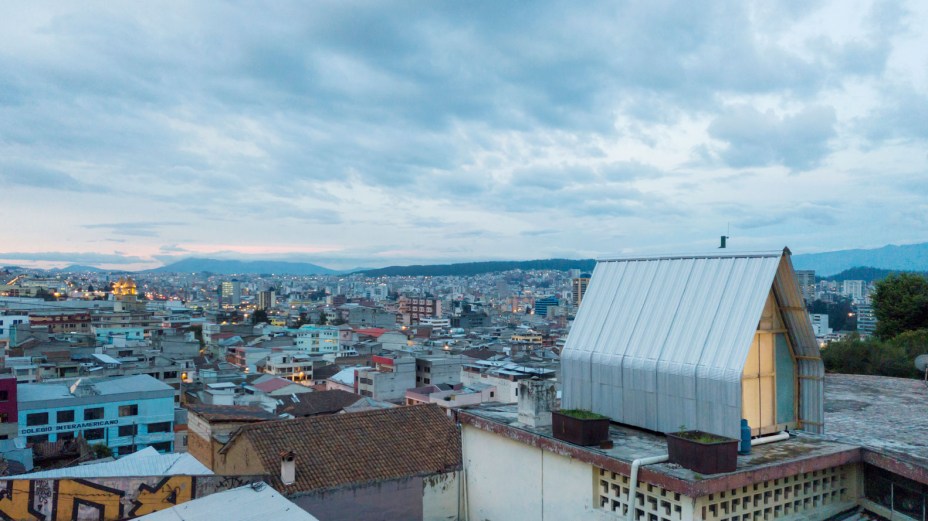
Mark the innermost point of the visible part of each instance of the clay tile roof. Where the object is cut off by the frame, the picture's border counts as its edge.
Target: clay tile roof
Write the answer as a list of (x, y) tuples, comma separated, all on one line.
[(320, 402), (230, 413), (348, 449)]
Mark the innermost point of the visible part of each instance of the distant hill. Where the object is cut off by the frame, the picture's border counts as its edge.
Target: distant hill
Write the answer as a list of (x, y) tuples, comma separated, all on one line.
[(907, 257), (233, 267), (863, 273), (78, 268), (478, 268)]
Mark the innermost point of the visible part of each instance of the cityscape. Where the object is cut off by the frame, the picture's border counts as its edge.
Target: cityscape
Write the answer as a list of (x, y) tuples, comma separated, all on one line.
[(475, 261)]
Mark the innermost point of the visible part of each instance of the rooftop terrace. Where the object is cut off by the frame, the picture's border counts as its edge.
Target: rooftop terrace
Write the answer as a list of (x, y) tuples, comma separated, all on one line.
[(882, 421)]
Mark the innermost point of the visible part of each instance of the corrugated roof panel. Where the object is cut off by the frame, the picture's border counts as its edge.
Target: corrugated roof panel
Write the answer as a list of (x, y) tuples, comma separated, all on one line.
[(662, 341)]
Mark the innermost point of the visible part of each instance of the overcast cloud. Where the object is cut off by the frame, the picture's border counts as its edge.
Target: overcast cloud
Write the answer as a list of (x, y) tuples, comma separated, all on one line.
[(377, 133)]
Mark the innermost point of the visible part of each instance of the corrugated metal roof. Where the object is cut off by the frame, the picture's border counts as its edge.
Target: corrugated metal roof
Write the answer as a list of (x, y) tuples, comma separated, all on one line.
[(146, 462), (661, 342), (248, 503)]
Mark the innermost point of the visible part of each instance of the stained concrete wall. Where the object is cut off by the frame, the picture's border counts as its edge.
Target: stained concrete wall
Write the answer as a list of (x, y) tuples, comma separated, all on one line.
[(432, 498), (401, 499), (506, 479)]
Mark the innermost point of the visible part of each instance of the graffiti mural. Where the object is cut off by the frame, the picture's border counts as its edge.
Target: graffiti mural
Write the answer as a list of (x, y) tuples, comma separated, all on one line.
[(171, 491), (105, 499), (77, 495), (16, 501)]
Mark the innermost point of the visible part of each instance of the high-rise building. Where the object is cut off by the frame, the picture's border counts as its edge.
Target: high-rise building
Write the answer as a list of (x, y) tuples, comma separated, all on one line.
[(267, 299), (579, 285), (866, 320), (542, 305), (806, 284), (853, 289), (230, 292)]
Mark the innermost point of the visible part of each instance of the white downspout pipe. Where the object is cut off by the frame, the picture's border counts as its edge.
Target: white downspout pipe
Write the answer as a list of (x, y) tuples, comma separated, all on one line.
[(783, 435), (633, 482)]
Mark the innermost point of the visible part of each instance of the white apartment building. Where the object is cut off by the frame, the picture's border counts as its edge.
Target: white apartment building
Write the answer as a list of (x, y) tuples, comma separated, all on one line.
[(297, 367), (318, 340)]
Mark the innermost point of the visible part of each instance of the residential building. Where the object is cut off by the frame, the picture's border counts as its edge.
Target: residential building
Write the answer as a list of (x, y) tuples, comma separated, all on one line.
[(297, 367), (9, 407), (8, 325), (820, 324), (438, 369), (396, 463), (389, 379), (210, 426), (318, 340), (866, 320), (854, 290), (414, 309), (230, 292), (366, 316), (449, 396), (125, 413), (504, 376), (266, 300), (806, 281), (578, 288)]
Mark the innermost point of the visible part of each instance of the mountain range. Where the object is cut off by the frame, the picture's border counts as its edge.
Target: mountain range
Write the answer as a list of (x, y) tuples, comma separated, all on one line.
[(232, 267), (907, 257)]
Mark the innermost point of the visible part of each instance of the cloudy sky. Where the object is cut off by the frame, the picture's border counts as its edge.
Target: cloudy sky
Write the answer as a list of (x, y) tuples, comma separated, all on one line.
[(376, 133)]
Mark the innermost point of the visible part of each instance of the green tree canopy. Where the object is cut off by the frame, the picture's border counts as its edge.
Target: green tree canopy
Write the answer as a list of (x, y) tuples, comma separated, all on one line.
[(900, 304)]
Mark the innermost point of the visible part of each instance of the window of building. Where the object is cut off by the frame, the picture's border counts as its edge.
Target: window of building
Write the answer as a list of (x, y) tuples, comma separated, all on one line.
[(4, 395), (94, 413), (65, 416), (4, 417), (492, 394), (164, 446), (128, 410), (426, 380), (170, 374), (128, 430), (37, 418), (37, 439), (159, 427), (93, 434)]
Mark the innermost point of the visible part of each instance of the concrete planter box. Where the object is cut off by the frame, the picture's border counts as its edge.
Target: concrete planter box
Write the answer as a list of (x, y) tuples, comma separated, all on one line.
[(580, 431), (703, 452)]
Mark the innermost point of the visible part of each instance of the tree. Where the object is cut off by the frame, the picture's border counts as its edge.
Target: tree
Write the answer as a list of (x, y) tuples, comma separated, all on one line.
[(101, 450), (322, 319), (900, 304), (259, 316), (867, 356)]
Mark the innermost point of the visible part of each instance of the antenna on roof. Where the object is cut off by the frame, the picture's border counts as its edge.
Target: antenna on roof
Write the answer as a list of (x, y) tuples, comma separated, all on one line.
[(725, 237)]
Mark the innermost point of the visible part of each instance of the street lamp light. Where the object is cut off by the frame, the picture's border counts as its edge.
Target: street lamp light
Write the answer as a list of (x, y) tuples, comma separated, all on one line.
[(183, 378)]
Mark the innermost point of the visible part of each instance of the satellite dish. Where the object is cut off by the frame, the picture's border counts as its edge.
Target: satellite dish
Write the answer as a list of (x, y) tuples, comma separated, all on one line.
[(921, 362)]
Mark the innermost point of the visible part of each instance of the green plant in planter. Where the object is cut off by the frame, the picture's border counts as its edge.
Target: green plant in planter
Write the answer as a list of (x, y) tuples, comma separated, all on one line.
[(582, 414), (702, 437)]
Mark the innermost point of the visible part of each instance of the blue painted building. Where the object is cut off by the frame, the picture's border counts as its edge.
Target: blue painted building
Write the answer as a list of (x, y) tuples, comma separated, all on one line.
[(126, 413)]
